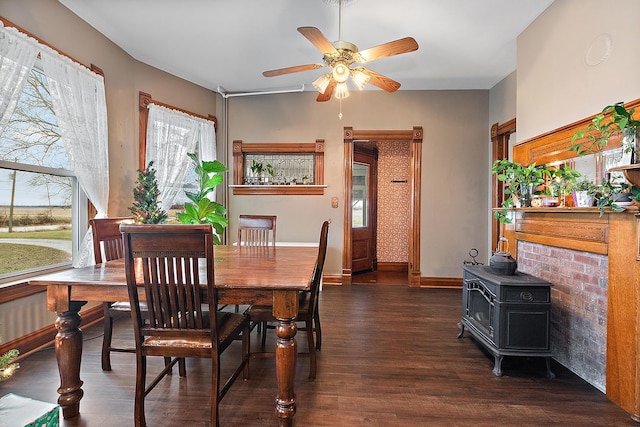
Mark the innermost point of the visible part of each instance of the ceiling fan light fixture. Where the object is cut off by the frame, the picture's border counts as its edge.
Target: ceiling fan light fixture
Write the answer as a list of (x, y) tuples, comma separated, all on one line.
[(360, 78), (341, 72), (341, 91), (322, 82)]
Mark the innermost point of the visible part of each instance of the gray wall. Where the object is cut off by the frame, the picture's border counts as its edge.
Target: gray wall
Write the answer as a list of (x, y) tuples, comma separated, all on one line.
[(576, 58), (564, 71), (455, 164)]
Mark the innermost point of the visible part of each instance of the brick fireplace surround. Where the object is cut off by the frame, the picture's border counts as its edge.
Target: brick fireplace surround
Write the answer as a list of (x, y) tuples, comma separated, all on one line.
[(593, 264), (579, 306)]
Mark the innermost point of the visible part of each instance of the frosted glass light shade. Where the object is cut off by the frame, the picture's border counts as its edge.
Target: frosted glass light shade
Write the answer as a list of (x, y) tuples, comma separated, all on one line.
[(361, 79), (322, 82), (341, 91), (340, 72)]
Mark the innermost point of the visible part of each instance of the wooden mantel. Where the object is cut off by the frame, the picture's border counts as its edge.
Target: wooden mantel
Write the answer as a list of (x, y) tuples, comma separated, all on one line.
[(616, 235), (613, 235)]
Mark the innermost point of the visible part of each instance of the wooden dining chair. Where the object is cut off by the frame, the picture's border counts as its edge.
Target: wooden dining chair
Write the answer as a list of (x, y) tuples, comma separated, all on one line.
[(307, 309), (172, 266), (257, 230), (107, 246)]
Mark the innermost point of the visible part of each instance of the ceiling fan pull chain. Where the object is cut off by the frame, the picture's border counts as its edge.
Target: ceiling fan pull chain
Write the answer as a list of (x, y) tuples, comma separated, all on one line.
[(340, 115)]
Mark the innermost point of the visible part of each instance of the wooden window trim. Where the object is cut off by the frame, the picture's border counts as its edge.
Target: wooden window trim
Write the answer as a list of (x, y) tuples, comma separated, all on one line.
[(144, 99), (240, 148), (500, 134)]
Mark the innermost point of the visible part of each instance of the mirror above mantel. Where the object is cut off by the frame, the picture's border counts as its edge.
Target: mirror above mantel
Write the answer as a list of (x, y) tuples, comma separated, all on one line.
[(552, 148)]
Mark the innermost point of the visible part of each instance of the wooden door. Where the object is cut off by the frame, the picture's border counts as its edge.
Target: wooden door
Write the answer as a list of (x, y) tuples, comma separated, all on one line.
[(364, 208)]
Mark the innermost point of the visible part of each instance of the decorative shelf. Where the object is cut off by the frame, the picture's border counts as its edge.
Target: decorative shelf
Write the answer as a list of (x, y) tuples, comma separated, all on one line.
[(278, 189), (631, 173), (568, 209), (311, 154)]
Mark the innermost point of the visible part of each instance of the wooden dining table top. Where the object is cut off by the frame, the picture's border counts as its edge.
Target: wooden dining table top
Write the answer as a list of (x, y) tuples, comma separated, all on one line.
[(243, 275), (236, 267)]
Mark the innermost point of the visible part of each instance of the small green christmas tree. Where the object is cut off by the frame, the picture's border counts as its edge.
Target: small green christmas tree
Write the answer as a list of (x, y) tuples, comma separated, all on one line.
[(7, 365), (145, 207)]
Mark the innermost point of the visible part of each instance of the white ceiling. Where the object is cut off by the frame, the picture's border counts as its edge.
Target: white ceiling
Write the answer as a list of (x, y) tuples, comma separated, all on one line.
[(464, 44)]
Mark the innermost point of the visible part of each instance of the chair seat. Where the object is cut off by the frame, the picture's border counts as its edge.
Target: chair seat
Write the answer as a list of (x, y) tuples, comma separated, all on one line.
[(228, 324)]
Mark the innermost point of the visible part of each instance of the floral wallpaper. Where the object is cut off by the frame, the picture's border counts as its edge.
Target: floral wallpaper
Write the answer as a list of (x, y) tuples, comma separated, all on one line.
[(393, 201)]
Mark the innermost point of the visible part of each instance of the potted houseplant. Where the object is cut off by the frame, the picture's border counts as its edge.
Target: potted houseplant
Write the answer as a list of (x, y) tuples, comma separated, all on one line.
[(256, 171), (583, 192), (605, 195), (612, 120), (629, 127), (520, 183), (634, 194), (203, 210), (271, 172), (562, 180)]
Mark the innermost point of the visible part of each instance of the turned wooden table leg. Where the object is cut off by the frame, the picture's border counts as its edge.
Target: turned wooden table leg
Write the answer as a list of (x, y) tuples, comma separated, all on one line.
[(285, 309), (68, 344)]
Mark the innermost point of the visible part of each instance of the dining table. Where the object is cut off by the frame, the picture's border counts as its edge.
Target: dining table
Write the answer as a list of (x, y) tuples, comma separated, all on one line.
[(267, 275)]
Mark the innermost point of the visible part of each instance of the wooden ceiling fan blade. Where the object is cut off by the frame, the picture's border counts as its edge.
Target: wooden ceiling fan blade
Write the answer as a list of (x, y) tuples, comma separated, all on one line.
[(289, 70), (322, 97), (396, 47), (381, 81), (318, 39)]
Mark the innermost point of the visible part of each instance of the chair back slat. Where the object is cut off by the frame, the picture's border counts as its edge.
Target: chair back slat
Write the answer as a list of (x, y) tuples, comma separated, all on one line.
[(257, 230), (316, 278), (164, 260), (107, 239)]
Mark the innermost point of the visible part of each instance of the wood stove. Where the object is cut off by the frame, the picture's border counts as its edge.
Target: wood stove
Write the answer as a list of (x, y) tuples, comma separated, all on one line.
[(508, 315)]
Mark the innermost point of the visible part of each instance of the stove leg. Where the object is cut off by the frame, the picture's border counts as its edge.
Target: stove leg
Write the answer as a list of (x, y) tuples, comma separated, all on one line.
[(497, 366), (461, 326), (550, 374)]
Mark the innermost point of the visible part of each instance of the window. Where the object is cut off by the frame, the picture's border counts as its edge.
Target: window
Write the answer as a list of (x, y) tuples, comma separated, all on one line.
[(167, 134), (40, 198), (360, 195)]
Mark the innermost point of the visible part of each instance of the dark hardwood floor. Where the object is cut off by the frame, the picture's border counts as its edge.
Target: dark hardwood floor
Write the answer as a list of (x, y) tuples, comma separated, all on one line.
[(381, 278), (390, 357)]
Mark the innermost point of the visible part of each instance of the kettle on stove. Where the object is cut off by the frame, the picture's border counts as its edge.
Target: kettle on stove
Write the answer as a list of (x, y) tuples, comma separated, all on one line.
[(501, 262)]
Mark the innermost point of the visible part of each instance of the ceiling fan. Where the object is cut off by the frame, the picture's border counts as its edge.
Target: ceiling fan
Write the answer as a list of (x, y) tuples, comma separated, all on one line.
[(343, 57)]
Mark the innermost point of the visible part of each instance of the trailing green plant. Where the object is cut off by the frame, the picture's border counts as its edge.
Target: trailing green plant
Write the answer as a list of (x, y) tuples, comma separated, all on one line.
[(203, 210), (605, 196), (520, 182), (613, 119), (562, 179), (585, 185), (634, 193)]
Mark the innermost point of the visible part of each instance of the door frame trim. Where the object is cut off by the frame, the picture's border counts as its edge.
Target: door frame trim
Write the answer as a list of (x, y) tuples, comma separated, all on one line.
[(414, 136)]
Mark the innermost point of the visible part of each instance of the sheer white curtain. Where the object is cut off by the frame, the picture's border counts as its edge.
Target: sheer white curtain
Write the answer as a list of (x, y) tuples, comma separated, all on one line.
[(78, 98), (18, 53), (171, 134)]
